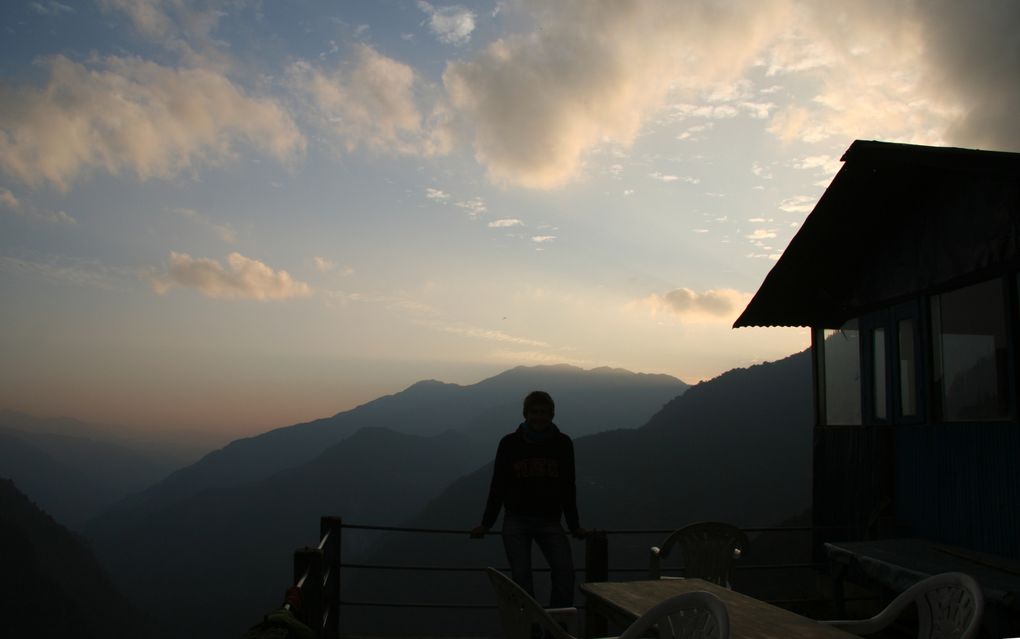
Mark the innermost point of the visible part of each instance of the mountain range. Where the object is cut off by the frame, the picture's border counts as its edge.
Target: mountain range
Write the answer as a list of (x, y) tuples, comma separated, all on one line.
[(206, 550), (222, 529), (75, 470)]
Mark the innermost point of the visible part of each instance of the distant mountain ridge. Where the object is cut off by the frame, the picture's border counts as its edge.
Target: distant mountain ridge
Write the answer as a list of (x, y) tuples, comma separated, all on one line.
[(590, 401), (379, 463), (182, 446), (72, 471)]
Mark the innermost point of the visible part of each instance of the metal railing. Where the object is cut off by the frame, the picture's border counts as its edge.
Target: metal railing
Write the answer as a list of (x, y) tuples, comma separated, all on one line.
[(318, 570)]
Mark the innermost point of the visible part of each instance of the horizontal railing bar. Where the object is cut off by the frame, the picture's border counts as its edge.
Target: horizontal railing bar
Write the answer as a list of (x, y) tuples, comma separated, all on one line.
[(393, 604), (448, 531), (622, 531), (775, 566), (410, 568), (428, 568), (667, 531)]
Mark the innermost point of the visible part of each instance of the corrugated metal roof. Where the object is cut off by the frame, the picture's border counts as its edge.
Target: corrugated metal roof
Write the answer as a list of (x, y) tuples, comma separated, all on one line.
[(897, 220)]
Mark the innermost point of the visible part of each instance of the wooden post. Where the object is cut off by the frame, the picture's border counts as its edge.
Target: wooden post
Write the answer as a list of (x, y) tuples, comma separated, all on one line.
[(596, 556), (596, 568), (331, 561), (310, 560)]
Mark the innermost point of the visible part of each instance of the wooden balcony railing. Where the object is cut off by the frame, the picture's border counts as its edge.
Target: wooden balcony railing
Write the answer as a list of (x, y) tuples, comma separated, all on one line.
[(318, 570)]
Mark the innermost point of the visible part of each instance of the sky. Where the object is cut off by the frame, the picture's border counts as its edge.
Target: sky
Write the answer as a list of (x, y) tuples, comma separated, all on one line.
[(235, 215)]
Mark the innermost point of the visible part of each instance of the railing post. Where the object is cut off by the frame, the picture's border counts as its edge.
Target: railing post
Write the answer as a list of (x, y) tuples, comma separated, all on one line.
[(333, 526), (310, 560), (596, 556), (596, 568)]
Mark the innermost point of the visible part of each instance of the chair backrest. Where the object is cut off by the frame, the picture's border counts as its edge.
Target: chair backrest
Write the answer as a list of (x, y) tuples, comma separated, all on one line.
[(709, 549), (518, 610), (692, 615), (949, 606)]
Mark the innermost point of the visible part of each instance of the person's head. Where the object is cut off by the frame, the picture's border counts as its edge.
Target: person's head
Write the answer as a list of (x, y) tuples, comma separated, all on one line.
[(539, 409)]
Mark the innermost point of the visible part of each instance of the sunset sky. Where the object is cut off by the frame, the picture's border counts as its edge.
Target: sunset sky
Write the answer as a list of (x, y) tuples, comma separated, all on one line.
[(238, 215)]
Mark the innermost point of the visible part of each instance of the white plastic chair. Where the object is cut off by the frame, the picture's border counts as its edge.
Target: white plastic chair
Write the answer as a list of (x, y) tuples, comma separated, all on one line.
[(949, 606), (518, 611), (709, 548), (693, 615)]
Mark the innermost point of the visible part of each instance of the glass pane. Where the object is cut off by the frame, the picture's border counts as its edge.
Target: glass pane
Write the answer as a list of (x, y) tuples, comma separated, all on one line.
[(842, 375), (908, 369), (971, 355), (878, 357)]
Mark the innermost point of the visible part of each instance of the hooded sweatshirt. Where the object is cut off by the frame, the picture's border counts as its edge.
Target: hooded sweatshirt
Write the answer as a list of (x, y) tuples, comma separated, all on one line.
[(534, 475)]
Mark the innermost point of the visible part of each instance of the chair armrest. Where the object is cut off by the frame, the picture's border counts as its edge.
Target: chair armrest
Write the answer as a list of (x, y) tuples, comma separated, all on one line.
[(565, 618), (562, 614), (859, 626), (654, 563)]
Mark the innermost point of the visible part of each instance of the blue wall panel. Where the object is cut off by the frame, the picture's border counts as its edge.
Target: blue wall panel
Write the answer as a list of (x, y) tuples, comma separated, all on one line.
[(959, 484)]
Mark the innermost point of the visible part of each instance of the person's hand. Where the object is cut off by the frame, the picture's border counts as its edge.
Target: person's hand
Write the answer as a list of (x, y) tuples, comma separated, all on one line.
[(579, 533), (478, 532)]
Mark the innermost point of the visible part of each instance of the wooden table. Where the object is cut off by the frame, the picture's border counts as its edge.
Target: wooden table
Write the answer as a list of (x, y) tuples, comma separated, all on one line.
[(625, 601), (897, 564)]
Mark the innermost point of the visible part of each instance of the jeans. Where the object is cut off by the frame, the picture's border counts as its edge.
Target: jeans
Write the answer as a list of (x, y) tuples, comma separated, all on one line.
[(518, 533)]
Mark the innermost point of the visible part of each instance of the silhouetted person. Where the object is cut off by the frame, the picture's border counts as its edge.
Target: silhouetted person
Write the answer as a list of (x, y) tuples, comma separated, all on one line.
[(533, 479)]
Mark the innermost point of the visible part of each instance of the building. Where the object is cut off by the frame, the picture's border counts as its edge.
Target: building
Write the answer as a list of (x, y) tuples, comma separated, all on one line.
[(908, 273)]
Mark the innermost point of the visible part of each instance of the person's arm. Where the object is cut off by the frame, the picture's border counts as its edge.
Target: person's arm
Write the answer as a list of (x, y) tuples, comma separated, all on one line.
[(497, 489), (568, 495)]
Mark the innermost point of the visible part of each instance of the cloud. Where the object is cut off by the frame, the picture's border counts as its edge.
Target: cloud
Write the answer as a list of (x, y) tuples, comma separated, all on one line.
[(50, 8), (711, 306), (974, 52), (542, 239), (475, 206), (590, 73), (225, 231), (798, 204), (876, 70), (760, 171), (673, 178), (451, 25), (323, 264), (125, 114), (243, 278), (186, 28), (326, 265), (762, 234), (10, 202), (70, 270), (484, 334), (531, 357), (436, 194), (593, 72), (147, 16), (505, 223), (695, 132), (371, 103)]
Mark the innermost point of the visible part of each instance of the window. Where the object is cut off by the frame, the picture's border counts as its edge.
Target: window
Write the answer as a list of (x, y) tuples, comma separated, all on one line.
[(906, 330), (878, 372), (971, 360), (842, 360)]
